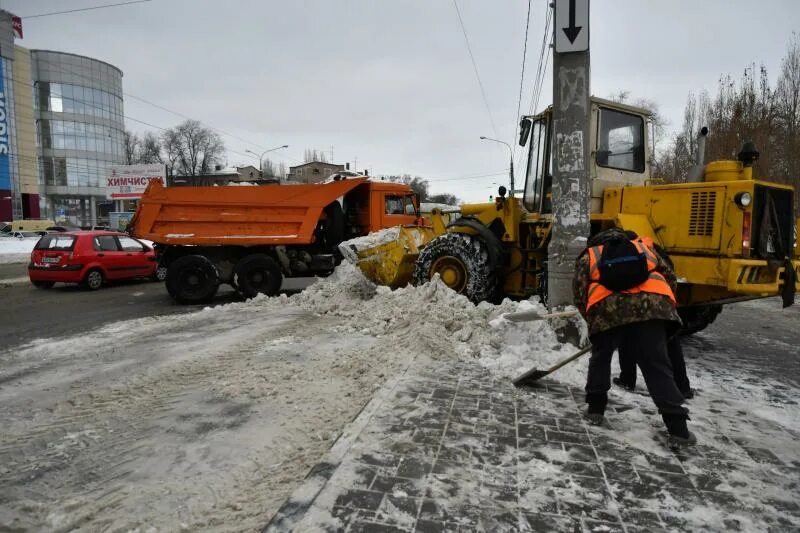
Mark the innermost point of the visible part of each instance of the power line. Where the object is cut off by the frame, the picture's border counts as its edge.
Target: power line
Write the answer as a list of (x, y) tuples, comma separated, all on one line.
[(521, 79), (475, 67), (544, 57), (504, 172), (84, 9), (541, 71)]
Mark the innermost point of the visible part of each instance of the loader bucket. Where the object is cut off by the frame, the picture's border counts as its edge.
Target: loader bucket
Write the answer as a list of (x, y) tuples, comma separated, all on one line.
[(390, 263)]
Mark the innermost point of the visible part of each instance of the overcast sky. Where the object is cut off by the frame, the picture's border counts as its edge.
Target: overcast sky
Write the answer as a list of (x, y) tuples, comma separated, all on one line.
[(391, 83)]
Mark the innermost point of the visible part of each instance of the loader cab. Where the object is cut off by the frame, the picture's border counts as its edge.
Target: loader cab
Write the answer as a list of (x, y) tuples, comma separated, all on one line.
[(619, 152)]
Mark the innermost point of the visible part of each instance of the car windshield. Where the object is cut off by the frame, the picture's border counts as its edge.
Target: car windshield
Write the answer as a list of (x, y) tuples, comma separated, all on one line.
[(56, 242)]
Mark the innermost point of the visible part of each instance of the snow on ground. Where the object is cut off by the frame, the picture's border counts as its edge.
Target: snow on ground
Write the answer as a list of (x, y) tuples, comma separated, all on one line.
[(14, 250), (209, 420)]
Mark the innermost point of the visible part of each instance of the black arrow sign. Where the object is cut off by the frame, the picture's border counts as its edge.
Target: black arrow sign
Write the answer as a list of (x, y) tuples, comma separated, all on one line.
[(572, 30)]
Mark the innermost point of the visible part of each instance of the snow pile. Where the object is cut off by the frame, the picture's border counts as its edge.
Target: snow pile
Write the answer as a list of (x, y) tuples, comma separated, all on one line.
[(15, 250), (433, 320)]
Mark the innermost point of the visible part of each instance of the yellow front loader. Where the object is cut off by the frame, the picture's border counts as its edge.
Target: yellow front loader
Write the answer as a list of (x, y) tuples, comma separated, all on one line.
[(731, 236)]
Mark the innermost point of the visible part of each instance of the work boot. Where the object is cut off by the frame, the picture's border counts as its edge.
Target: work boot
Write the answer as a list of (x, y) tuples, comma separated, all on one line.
[(597, 408), (679, 434), (595, 419), (627, 386)]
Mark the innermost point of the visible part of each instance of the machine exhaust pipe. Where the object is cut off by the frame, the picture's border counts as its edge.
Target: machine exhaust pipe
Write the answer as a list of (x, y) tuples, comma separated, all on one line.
[(696, 172)]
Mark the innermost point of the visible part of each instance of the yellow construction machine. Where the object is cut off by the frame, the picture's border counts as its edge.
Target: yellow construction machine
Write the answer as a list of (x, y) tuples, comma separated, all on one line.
[(731, 236)]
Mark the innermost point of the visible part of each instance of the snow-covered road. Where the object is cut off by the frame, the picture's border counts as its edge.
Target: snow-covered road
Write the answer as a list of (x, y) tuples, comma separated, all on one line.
[(195, 422)]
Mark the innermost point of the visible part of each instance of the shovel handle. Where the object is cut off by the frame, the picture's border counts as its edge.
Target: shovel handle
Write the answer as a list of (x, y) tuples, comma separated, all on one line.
[(558, 365), (529, 316)]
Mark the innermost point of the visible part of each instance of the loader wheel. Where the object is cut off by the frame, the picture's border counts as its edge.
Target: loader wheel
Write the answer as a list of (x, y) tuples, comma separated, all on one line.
[(697, 318), (257, 274), (192, 279), (463, 264)]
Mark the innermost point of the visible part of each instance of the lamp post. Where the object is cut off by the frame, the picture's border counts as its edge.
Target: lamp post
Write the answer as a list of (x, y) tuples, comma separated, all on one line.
[(261, 157), (510, 159)]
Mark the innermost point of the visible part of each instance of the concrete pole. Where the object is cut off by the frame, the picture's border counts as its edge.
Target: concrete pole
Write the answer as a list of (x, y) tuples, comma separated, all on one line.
[(93, 210), (571, 182)]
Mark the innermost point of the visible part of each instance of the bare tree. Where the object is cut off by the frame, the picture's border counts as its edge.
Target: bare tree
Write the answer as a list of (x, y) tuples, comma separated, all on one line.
[(268, 168), (417, 184), (132, 144), (191, 149), (171, 144), (449, 199), (150, 149), (745, 109), (314, 155)]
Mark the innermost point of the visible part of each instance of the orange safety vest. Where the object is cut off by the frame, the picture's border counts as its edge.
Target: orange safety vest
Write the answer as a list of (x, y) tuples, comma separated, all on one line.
[(656, 283)]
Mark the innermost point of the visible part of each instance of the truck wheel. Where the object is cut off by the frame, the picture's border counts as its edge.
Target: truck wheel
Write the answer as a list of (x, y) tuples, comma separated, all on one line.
[(257, 274), (697, 318), (192, 279), (463, 264)]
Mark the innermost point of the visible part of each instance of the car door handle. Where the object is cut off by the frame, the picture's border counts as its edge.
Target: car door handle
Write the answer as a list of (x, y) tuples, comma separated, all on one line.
[(101, 255)]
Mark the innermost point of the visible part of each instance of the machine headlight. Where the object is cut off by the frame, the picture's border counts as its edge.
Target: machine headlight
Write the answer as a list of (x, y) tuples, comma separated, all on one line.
[(743, 199)]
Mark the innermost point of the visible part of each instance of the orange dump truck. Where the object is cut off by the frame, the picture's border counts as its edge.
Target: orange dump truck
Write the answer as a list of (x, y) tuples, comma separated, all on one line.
[(252, 237)]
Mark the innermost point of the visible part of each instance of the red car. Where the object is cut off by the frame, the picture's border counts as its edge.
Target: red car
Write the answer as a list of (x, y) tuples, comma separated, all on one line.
[(91, 258)]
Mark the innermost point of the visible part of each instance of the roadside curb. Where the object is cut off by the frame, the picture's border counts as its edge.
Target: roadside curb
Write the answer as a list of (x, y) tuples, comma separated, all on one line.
[(302, 498)]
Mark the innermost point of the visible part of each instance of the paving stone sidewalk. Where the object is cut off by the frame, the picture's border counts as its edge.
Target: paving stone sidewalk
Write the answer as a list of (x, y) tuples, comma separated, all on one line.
[(453, 449)]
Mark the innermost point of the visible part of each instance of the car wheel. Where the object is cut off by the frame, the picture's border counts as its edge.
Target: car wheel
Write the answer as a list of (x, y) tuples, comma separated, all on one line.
[(192, 279), (93, 280), (160, 274), (43, 284), (257, 274)]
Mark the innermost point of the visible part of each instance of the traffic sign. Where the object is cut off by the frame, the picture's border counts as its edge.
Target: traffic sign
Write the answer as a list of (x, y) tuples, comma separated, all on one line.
[(572, 26)]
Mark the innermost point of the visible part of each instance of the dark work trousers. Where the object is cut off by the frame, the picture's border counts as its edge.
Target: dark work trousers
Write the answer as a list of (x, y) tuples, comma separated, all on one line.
[(648, 343), (627, 363)]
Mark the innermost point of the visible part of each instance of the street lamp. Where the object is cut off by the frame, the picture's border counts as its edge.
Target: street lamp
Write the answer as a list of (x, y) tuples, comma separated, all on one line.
[(261, 157), (510, 158)]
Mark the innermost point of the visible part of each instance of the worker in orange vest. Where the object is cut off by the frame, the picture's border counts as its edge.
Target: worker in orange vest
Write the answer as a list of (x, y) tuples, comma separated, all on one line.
[(627, 360), (625, 291)]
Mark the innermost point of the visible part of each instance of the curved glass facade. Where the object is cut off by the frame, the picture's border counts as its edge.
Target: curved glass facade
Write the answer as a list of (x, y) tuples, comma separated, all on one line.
[(80, 129), (68, 98)]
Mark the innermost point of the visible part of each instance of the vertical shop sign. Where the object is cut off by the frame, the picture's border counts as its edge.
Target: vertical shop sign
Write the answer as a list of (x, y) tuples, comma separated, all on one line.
[(5, 171)]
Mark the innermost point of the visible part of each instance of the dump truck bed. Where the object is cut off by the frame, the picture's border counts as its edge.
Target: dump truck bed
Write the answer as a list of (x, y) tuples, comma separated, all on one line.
[(235, 215)]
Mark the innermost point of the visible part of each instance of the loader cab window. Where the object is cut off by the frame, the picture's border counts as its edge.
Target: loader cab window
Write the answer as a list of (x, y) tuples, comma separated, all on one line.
[(620, 141), (538, 176)]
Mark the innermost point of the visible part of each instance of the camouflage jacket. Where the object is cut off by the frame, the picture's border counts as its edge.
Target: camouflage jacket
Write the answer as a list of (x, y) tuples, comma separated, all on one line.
[(619, 309)]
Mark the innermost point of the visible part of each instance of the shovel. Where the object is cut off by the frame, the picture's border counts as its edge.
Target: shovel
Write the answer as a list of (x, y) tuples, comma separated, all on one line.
[(530, 316), (535, 375)]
